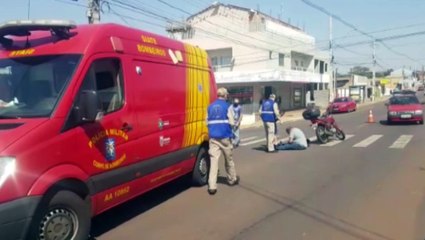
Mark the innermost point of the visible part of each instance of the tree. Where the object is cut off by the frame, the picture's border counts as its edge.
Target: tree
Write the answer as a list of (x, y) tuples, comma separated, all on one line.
[(365, 71), (361, 71)]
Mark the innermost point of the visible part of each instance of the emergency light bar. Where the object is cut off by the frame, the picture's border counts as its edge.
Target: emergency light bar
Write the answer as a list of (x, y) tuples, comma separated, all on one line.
[(24, 27)]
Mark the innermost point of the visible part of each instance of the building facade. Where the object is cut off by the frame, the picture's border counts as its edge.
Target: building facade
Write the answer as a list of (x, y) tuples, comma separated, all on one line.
[(254, 55)]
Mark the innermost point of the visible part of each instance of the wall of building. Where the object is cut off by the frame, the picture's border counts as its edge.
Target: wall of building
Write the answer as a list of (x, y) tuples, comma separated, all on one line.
[(321, 98), (213, 31)]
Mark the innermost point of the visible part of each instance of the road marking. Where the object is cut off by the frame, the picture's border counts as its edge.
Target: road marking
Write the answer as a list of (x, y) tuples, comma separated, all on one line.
[(313, 139), (335, 142), (368, 141), (248, 138), (402, 141), (261, 140), (253, 142)]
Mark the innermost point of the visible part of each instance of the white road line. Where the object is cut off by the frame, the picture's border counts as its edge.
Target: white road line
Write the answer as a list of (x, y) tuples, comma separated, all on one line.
[(253, 142), (402, 141), (260, 140), (313, 139), (248, 138), (368, 141), (335, 142)]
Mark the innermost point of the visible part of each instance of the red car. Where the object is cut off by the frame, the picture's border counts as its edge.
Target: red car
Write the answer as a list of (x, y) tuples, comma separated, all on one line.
[(343, 104), (404, 108)]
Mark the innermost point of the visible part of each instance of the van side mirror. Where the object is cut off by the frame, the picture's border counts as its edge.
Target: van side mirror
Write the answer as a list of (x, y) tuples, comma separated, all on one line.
[(89, 107)]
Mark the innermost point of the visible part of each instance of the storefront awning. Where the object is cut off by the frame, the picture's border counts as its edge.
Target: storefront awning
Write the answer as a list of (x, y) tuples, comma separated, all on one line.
[(271, 76)]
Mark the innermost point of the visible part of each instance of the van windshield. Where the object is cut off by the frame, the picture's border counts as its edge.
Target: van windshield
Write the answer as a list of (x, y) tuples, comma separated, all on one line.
[(32, 86)]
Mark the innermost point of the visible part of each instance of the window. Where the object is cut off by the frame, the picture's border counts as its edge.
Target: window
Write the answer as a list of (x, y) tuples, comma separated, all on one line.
[(32, 86), (214, 61), (105, 77), (245, 94), (281, 59), (221, 62)]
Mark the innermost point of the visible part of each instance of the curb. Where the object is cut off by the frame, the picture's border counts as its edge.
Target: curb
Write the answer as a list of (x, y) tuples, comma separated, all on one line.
[(297, 118)]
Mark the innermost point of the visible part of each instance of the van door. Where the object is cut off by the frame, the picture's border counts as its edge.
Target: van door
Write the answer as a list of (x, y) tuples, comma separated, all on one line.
[(105, 146)]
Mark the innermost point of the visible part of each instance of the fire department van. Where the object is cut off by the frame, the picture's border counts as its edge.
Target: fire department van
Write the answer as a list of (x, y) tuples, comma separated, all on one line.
[(92, 116)]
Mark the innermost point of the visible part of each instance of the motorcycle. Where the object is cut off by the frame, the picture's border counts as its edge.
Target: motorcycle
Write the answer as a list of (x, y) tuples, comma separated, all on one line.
[(324, 125)]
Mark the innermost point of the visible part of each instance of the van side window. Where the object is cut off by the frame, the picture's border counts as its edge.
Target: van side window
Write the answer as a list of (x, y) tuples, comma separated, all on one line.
[(105, 77)]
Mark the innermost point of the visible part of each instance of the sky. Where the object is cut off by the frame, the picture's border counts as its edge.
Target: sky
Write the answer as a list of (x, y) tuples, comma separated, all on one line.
[(388, 21)]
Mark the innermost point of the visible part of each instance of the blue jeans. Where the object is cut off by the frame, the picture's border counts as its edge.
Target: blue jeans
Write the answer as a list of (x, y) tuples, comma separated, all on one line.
[(289, 146)]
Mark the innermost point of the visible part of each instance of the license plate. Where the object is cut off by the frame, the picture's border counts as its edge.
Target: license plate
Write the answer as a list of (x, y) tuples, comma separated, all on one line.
[(405, 115)]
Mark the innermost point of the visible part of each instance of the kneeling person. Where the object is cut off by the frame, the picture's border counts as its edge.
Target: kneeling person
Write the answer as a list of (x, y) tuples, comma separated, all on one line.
[(297, 140)]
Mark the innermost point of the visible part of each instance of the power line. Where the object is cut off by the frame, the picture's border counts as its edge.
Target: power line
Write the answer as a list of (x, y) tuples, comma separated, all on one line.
[(321, 9), (71, 3), (381, 40), (348, 50), (134, 8)]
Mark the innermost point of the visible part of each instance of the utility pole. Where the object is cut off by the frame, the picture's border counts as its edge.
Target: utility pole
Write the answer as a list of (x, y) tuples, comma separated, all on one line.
[(93, 11), (331, 63), (335, 82), (373, 71), (29, 9)]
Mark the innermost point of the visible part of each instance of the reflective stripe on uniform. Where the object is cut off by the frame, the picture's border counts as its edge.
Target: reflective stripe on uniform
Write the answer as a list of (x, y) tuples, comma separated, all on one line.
[(267, 112), (218, 121)]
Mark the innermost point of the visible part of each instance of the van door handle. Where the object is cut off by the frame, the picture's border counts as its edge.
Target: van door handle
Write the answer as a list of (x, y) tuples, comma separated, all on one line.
[(126, 127)]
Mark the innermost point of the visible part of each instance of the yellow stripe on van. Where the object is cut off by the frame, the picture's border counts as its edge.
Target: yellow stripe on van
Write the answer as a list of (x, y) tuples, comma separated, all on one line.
[(197, 95)]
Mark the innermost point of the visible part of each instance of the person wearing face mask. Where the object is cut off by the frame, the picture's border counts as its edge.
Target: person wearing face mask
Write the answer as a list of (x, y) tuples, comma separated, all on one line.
[(220, 122), (237, 116)]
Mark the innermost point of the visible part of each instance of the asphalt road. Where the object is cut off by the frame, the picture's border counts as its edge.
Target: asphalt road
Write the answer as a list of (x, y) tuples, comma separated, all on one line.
[(370, 186)]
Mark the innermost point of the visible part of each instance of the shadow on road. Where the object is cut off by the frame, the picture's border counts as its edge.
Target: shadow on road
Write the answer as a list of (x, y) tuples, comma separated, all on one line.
[(386, 123), (262, 148), (123, 213)]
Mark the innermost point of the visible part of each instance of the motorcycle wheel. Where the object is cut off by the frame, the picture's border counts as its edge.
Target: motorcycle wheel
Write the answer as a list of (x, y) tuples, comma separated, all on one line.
[(340, 135), (322, 137)]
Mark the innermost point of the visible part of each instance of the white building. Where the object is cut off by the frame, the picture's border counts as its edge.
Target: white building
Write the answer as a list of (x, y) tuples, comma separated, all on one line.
[(405, 78), (254, 54)]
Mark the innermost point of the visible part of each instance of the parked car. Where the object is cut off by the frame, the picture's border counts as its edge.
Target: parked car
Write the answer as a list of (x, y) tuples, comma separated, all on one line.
[(404, 108), (342, 104), (420, 88), (403, 92)]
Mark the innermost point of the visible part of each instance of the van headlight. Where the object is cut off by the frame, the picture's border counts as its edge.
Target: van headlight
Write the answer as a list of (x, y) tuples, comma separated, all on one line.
[(392, 113), (7, 168), (418, 112)]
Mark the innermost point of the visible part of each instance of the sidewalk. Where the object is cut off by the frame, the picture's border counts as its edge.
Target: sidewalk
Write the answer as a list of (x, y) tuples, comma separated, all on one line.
[(295, 115)]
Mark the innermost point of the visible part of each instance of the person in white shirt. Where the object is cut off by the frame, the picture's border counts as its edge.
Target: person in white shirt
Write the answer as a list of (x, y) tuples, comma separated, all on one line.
[(236, 109), (296, 141)]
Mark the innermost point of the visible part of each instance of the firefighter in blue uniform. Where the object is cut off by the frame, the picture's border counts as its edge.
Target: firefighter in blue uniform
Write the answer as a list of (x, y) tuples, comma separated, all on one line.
[(220, 122), (269, 112)]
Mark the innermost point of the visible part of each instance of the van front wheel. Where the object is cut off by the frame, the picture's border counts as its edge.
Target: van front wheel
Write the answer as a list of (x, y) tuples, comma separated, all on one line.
[(66, 217), (202, 168)]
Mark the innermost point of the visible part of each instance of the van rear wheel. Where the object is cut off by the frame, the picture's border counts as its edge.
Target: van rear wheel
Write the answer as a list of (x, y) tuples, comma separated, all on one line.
[(202, 168), (67, 216)]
